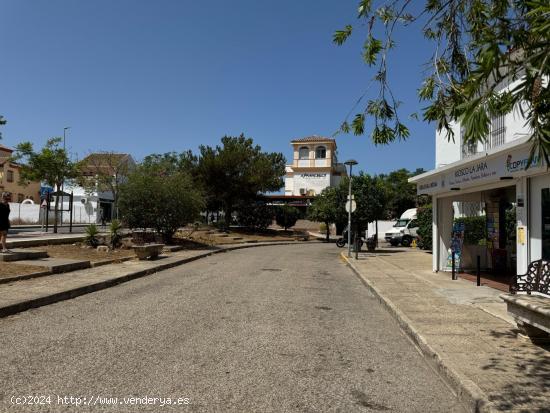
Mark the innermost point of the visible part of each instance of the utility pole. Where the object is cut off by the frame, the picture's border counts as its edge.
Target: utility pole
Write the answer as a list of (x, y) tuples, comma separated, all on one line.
[(63, 181)]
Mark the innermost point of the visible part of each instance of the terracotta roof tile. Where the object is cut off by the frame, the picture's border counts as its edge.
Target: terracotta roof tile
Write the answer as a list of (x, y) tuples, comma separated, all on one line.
[(314, 138)]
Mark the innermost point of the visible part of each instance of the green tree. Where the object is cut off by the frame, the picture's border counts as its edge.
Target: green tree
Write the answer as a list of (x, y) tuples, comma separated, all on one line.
[(153, 197), (322, 210), (329, 208), (255, 215), (51, 165), (286, 216), (371, 199), (400, 193), (479, 46), (237, 171)]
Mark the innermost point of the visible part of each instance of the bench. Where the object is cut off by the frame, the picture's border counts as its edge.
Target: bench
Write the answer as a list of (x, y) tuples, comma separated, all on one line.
[(146, 251), (531, 307)]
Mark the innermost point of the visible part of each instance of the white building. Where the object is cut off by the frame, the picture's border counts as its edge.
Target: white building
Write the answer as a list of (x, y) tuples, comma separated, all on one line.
[(491, 179), (95, 197), (314, 166)]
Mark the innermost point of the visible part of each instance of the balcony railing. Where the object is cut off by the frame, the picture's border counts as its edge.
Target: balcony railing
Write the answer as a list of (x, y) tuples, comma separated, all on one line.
[(310, 162)]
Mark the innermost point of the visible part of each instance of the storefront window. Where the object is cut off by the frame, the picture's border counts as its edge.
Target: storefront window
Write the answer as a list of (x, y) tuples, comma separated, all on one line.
[(545, 210)]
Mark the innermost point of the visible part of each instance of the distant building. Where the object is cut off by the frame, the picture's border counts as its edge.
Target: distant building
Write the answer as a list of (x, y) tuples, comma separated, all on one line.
[(10, 179), (314, 167), (93, 191)]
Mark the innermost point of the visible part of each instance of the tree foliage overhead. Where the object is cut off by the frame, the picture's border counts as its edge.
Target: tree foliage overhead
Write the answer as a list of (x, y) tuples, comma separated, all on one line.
[(237, 171), (479, 46)]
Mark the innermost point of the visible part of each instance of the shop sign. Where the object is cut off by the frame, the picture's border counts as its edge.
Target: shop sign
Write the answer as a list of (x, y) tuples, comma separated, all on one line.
[(309, 176), (483, 170)]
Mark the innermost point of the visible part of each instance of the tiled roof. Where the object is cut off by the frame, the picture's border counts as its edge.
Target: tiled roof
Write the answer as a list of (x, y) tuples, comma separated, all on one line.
[(314, 138), (105, 158), (5, 148)]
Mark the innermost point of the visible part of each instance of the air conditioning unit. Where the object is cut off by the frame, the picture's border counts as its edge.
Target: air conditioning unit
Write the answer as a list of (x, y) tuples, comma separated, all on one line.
[(303, 191)]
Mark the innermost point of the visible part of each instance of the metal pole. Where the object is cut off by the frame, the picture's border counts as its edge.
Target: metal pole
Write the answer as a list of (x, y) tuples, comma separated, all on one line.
[(453, 274), (349, 213), (63, 181), (478, 273)]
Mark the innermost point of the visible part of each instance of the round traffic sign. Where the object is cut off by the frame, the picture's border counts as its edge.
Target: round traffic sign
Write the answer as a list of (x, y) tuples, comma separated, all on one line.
[(353, 206)]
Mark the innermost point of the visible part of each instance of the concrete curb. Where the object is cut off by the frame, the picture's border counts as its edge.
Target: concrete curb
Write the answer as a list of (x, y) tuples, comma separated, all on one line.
[(78, 291), (37, 242), (467, 391), (25, 277)]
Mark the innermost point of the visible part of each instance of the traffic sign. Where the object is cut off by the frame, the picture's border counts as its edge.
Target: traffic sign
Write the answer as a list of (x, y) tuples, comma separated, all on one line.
[(353, 206)]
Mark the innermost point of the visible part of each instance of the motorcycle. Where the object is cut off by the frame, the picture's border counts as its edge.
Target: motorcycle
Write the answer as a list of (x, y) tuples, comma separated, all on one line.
[(343, 240)]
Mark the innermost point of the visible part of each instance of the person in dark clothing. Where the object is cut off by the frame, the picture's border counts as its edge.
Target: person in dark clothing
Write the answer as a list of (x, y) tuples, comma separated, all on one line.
[(4, 220)]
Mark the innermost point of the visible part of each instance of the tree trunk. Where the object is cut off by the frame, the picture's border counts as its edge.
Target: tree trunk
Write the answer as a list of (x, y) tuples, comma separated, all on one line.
[(55, 211), (328, 231)]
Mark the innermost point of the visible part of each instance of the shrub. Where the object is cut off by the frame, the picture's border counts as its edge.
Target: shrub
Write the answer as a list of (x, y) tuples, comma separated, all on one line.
[(255, 216), (115, 228), (286, 216), (156, 198), (424, 218), (475, 229), (91, 235)]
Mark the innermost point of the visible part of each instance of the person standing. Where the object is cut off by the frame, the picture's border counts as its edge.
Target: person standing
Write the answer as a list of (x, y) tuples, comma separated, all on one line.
[(4, 220)]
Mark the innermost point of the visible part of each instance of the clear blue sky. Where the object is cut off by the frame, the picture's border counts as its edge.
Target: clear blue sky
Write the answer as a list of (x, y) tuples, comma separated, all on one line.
[(155, 76)]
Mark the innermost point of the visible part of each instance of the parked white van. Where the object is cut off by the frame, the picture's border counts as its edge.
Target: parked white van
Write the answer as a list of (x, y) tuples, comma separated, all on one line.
[(404, 230)]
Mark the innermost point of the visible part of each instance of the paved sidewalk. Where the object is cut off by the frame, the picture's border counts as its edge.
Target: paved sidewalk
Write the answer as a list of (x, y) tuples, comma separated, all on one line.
[(463, 330)]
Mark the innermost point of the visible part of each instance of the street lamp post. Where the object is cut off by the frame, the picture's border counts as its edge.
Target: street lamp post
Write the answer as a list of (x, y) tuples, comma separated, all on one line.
[(63, 181), (349, 162)]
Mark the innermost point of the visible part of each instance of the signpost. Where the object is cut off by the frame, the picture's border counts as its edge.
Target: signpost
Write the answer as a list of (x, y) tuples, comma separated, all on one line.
[(353, 206)]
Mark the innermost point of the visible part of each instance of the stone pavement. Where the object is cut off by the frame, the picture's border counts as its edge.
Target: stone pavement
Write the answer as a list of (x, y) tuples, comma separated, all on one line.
[(463, 330)]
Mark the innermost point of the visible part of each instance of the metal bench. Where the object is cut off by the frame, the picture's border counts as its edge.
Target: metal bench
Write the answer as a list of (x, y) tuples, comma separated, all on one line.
[(148, 251), (529, 301)]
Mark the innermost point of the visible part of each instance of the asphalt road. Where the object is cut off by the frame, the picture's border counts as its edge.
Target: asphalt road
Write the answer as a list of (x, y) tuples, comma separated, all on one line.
[(268, 329)]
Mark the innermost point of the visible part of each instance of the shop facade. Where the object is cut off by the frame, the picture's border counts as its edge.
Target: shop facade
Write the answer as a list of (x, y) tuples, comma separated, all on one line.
[(501, 188)]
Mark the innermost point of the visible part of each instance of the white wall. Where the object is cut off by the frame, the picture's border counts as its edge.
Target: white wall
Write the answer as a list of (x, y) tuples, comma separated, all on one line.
[(311, 180), (21, 214), (447, 151)]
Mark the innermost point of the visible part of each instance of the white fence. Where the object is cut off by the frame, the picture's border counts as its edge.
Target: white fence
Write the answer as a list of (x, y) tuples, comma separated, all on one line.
[(27, 214)]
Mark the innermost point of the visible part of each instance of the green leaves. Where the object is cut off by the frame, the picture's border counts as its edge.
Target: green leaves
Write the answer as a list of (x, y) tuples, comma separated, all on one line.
[(364, 8), (358, 124), (371, 50), (340, 36), (480, 48), (2, 122)]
